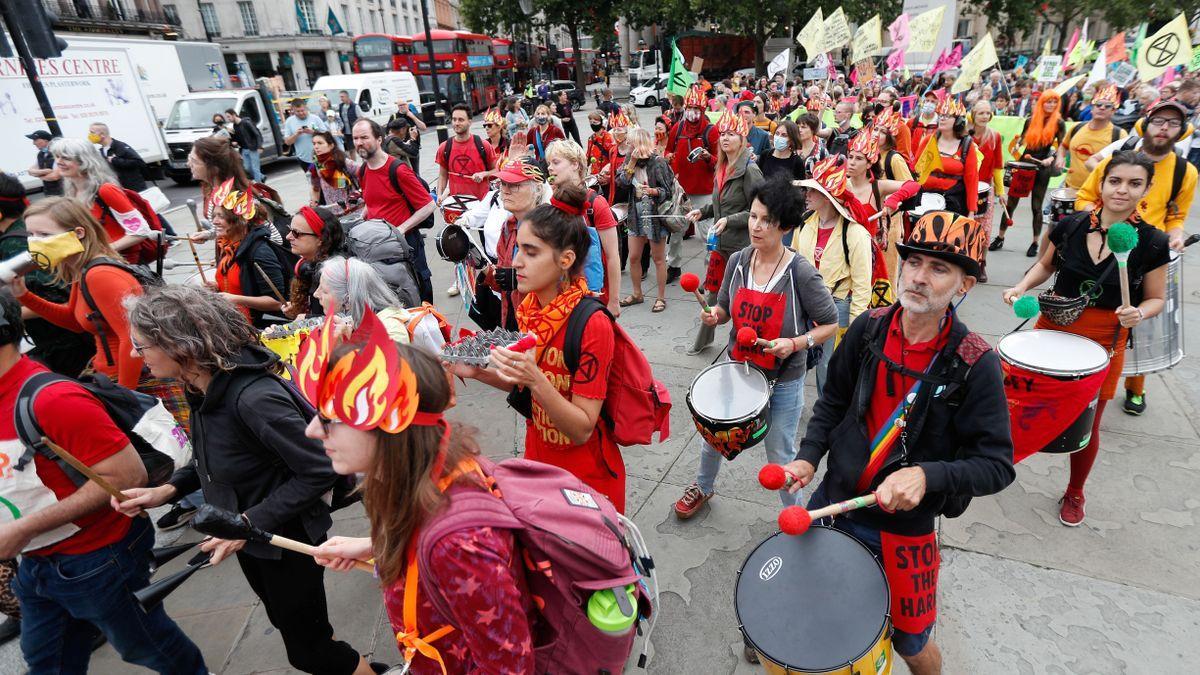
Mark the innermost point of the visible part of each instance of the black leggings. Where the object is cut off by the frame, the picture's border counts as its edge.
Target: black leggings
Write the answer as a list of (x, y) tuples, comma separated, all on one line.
[(1037, 197)]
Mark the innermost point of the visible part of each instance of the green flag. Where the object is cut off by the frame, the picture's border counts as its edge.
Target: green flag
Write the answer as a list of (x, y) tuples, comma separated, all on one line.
[(335, 26), (681, 78), (1137, 42)]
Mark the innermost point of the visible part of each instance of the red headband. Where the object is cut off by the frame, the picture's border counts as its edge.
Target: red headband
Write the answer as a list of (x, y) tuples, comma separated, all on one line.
[(15, 200), (314, 219), (565, 207)]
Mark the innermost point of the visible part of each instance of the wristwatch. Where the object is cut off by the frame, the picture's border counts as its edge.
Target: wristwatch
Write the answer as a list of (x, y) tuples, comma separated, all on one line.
[(811, 341)]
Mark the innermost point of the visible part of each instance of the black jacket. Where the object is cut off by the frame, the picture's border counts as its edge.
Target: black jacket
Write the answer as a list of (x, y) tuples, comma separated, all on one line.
[(251, 455), (348, 114), (127, 164), (246, 135), (256, 248), (959, 435)]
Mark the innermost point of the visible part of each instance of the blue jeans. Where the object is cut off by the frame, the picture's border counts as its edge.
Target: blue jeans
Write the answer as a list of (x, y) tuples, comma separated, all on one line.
[(822, 369), (193, 501), (787, 404), (64, 598), (905, 644), (253, 163)]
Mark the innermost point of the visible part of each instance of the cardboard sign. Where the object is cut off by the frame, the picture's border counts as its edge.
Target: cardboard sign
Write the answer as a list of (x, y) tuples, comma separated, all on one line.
[(815, 73), (1048, 68), (1122, 74)]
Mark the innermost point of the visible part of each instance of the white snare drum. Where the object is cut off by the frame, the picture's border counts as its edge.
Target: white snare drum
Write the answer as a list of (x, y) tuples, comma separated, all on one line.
[(985, 191), (1158, 341), (730, 403)]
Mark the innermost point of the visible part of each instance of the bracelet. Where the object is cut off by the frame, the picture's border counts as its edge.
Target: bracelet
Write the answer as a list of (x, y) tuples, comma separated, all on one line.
[(1141, 314)]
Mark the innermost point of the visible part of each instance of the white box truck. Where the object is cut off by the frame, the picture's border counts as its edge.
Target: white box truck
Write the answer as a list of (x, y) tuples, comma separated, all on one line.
[(86, 84)]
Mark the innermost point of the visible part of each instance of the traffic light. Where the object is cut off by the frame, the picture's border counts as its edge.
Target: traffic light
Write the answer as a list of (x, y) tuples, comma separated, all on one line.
[(36, 24)]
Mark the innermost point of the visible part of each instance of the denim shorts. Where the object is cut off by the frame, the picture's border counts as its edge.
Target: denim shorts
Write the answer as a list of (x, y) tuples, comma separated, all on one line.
[(905, 644)]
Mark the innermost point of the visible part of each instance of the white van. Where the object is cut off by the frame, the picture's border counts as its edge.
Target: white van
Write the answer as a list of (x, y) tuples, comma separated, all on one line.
[(375, 94)]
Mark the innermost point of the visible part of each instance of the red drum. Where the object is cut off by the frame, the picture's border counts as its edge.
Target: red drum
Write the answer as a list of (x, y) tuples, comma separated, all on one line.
[(1019, 178), (1052, 382)]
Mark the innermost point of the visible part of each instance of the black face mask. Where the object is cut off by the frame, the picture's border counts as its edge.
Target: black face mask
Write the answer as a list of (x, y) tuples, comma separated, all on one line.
[(597, 127)]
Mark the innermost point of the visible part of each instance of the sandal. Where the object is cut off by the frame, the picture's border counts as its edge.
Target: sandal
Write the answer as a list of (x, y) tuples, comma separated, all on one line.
[(632, 300), (659, 305)]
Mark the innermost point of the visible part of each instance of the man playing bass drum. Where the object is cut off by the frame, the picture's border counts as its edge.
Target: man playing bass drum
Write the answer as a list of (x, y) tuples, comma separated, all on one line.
[(914, 410)]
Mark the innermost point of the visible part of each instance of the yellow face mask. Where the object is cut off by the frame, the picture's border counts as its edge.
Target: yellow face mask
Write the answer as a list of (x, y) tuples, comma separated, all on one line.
[(50, 252), (94, 138)]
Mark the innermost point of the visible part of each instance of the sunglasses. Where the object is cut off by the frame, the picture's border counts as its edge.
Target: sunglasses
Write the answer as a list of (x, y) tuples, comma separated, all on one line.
[(297, 233), (1103, 106)]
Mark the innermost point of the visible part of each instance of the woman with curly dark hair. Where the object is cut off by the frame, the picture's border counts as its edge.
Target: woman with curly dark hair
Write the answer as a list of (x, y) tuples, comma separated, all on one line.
[(315, 235)]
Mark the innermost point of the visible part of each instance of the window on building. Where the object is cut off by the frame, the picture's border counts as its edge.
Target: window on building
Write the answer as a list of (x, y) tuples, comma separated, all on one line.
[(346, 18), (249, 19), (306, 10), (208, 14), (963, 29), (172, 14), (362, 24)]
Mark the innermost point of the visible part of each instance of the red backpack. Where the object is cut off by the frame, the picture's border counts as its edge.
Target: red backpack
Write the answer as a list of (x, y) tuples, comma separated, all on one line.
[(148, 250), (572, 542), (637, 405)]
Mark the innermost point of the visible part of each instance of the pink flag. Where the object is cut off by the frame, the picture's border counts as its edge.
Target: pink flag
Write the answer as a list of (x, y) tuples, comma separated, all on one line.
[(854, 76), (1114, 49), (1168, 76), (898, 31), (895, 60), (1070, 46), (955, 57), (940, 64)]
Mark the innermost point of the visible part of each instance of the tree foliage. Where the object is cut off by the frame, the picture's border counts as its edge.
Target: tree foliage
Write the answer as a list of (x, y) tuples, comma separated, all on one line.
[(1008, 19)]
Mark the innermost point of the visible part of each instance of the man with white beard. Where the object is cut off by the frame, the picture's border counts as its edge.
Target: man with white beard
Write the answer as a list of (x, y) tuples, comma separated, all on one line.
[(914, 411)]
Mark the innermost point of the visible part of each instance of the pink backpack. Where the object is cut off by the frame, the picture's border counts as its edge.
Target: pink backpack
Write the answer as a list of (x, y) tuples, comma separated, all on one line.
[(573, 542)]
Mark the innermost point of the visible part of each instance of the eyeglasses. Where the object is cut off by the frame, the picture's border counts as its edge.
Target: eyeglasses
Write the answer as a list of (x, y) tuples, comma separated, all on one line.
[(1164, 122), (297, 233), (327, 425), (140, 349), (1103, 106)]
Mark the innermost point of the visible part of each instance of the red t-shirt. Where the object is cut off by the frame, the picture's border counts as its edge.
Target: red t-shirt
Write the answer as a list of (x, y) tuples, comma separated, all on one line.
[(464, 162), (87, 432), (915, 357), (602, 219), (598, 461), (823, 234), (696, 178), (383, 201)]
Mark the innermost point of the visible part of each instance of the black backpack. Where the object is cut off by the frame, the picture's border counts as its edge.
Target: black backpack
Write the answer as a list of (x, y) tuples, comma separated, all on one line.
[(138, 272), (393, 171), (139, 416), (1181, 165), (449, 145)]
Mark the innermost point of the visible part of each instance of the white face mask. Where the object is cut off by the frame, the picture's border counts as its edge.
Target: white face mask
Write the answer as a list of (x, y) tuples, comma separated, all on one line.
[(691, 115), (927, 108)]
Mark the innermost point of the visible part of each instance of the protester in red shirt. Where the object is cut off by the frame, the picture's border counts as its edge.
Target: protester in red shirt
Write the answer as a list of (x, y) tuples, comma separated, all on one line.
[(958, 177), (565, 428), (543, 132), (80, 559), (392, 192), (988, 142), (925, 121), (463, 168), (695, 132), (600, 144), (90, 179)]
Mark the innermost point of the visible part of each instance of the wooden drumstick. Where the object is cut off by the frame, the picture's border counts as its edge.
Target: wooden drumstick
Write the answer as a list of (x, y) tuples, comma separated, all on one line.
[(274, 290), (309, 550), (87, 472), (1121, 239), (196, 257)]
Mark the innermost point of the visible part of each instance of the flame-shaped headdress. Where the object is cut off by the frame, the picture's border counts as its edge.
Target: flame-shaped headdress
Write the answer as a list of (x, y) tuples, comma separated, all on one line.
[(949, 106), (732, 123), (240, 204), (368, 388), (493, 116), (619, 120), (830, 174), (866, 143), (1107, 94), (694, 98), (888, 120)]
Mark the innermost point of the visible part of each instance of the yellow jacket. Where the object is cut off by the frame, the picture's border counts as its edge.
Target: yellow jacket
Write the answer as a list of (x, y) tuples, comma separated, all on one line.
[(842, 279), (1153, 207)]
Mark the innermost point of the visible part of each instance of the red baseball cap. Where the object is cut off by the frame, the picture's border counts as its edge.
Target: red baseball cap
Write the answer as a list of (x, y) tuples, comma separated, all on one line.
[(519, 172)]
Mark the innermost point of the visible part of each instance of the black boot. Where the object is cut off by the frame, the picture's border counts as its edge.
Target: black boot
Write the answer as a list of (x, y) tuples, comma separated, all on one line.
[(673, 274), (10, 629)]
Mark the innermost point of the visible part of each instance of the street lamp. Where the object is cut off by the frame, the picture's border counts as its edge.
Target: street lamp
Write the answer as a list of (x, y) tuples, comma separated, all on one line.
[(439, 110)]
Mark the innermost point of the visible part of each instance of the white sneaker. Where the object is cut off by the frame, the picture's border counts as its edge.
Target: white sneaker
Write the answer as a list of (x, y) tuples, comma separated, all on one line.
[(453, 290)]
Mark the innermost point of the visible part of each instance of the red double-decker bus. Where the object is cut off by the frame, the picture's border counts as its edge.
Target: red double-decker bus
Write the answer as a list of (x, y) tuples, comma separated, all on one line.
[(502, 52), (377, 52), (565, 68), (466, 68)]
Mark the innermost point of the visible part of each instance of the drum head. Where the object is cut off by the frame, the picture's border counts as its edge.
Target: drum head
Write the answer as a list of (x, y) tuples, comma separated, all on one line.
[(453, 244), (727, 391), (1053, 352), (1022, 165), (1064, 194), (813, 602), (984, 187)]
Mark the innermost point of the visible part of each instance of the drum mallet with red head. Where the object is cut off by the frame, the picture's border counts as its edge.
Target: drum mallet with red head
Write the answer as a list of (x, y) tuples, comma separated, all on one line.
[(691, 283), (796, 520), (746, 337), (1121, 239), (775, 477)]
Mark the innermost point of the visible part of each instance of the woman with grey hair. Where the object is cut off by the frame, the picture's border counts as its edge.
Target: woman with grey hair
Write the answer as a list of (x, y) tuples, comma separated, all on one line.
[(348, 286), (251, 457), (89, 179)]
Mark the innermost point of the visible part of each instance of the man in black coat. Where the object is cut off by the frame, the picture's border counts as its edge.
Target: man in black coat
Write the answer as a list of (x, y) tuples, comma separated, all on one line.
[(248, 140), (915, 413), (348, 114), (125, 161)]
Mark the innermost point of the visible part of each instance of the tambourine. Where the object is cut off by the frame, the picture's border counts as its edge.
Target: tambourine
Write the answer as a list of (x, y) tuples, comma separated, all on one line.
[(696, 154)]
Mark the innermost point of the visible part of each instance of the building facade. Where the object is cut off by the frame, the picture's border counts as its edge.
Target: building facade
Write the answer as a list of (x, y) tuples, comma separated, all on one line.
[(294, 38), (113, 17)]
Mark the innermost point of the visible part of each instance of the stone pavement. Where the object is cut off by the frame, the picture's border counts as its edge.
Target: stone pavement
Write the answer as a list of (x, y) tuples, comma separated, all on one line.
[(1020, 593)]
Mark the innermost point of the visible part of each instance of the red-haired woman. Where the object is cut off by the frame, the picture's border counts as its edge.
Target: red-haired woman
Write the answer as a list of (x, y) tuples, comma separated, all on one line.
[(1042, 135)]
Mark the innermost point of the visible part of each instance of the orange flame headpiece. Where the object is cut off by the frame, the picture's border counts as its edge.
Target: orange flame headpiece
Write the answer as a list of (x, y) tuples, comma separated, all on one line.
[(694, 98), (951, 107), (368, 388), (732, 123), (866, 143)]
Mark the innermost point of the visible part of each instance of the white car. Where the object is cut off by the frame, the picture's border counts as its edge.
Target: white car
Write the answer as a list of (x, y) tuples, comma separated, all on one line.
[(651, 93)]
